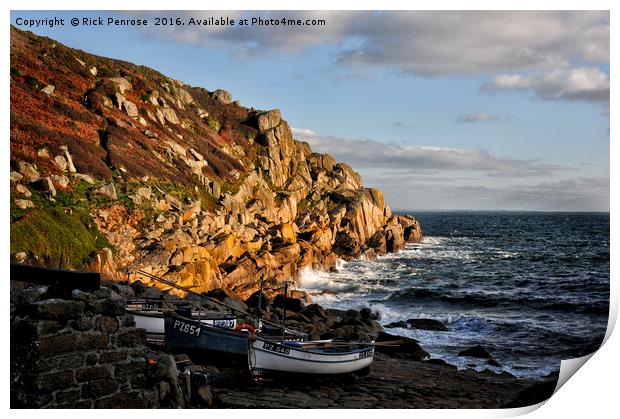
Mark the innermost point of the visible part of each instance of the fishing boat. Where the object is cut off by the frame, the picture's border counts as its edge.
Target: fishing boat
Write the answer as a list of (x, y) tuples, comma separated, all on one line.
[(149, 315), (182, 333), (319, 357), (274, 349)]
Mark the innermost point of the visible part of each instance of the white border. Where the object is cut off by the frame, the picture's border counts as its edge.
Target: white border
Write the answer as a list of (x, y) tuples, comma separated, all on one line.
[(593, 391)]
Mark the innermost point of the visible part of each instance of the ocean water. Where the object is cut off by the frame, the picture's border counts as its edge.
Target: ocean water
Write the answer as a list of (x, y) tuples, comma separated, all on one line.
[(532, 288)]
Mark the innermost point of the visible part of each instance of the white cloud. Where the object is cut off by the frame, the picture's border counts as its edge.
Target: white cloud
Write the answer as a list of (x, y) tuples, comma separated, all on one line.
[(577, 194), (552, 53), (424, 42), (372, 154), (476, 117), (417, 177), (587, 84)]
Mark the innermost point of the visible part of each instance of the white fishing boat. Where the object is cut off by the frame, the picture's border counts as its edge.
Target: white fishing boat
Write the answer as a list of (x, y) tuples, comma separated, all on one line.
[(324, 358)]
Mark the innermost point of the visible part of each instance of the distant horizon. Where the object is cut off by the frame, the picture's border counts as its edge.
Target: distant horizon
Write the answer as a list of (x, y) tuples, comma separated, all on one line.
[(500, 210)]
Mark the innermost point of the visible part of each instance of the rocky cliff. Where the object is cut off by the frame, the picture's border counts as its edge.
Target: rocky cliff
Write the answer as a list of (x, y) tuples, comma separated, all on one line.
[(117, 167)]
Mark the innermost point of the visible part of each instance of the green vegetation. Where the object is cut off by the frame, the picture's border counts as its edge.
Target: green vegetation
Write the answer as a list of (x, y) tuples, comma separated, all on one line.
[(213, 124), (55, 233), (231, 186), (207, 201), (303, 205)]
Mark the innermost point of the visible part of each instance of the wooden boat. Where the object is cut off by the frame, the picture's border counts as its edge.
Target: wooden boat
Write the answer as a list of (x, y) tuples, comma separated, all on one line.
[(324, 358), (149, 315), (267, 354), (189, 334)]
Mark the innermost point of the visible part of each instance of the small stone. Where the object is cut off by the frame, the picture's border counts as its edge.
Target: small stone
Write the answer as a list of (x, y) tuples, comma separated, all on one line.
[(130, 109), (24, 203), (92, 373), (57, 309), (61, 180), (108, 191), (149, 134), (61, 162), (99, 388), (20, 257), (54, 381), (49, 89), (28, 171), (196, 154), (85, 178), (15, 176), (23, 190), (68, 158), (43, 153), (93, 71)]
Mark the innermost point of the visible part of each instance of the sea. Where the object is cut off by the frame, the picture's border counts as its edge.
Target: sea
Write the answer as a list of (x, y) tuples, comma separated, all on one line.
[(530, 287)]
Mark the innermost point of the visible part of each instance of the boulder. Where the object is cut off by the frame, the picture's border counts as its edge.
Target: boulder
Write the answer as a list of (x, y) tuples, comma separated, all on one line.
[(285, 233), (476, 352), (85, 178), (169, 115), (68, 158), (130, 109), (314, 311), (15, 176), (60, 180), (24, 203), (49, 89), (217, 294), (253, 299), (427, 324), (108, 191), (292, 304), (222, 96), (184, 96), (121, 83), (28, 171), (23, 190), (406, 348), (61, 162), (401, 323), (268, 120)]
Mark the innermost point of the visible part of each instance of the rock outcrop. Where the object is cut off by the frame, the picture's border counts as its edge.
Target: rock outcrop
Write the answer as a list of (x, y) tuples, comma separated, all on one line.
[(181, 182)]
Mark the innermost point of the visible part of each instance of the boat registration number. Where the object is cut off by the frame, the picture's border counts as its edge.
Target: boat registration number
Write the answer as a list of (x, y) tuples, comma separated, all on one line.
[(227, 324), (366, 354), (276, 348), (188, 329)]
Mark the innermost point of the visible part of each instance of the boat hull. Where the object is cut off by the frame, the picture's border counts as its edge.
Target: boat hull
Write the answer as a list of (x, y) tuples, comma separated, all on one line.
[(267, 356), (154, 324), (185, 334)]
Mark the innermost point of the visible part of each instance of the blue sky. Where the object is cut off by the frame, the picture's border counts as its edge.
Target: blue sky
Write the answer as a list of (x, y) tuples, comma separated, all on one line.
[(441, 110)]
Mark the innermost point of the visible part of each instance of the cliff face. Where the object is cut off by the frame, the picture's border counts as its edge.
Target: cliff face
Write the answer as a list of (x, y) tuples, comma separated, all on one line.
[(119, 168)]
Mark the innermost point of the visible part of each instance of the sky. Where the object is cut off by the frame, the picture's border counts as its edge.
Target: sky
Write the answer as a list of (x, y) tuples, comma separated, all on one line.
[(497, 110)]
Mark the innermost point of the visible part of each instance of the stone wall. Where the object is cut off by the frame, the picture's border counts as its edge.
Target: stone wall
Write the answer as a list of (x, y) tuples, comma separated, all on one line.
[(84, 351)]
